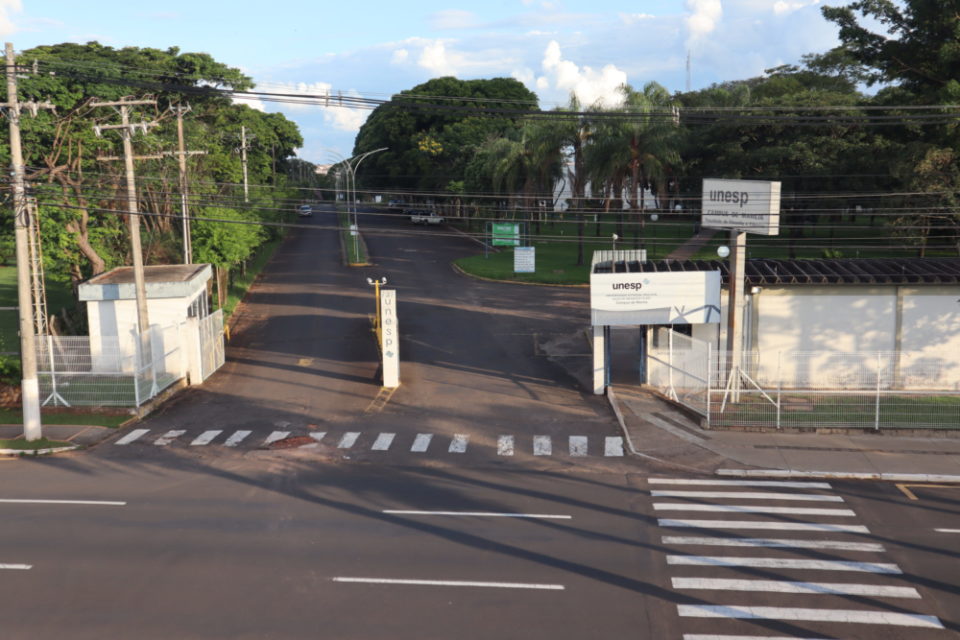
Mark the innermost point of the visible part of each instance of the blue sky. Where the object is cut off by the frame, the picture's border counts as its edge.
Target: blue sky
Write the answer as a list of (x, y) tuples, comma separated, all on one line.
[(375, 48)]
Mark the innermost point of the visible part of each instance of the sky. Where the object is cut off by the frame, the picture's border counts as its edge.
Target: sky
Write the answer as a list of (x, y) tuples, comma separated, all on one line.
[(379, 47)]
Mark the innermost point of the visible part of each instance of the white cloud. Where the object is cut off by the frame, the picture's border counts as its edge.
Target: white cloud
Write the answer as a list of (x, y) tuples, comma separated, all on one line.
[(633, 18), (253, 103), (399, 56), (453, 19), (6, 21), (703, 18), (435, 59), (590, 86), (339, 117), (780, 7)]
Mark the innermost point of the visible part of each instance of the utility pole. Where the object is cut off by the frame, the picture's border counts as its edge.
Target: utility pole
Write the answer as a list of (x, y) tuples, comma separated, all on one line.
[(182, 154), (127, 130), (243, 159), (29, 385)]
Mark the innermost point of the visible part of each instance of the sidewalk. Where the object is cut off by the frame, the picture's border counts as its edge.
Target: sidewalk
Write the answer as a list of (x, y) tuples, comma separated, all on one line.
[(656, 430), (77, 435)]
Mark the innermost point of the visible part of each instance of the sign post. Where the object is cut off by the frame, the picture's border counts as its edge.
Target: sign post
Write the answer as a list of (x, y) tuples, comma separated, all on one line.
[(390, 343), (524, 259), (742, 206)]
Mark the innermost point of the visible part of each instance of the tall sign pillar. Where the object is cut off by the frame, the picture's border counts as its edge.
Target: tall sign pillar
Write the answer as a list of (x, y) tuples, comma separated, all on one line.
[(390, 341), (742, 207)]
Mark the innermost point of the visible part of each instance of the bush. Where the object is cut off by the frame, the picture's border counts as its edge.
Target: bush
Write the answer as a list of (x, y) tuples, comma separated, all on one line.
[(10, 370)]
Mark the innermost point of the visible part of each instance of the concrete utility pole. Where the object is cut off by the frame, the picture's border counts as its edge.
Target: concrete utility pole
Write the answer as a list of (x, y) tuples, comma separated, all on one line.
[(182, 154), (243, 159), (127, 130), (29, 384)]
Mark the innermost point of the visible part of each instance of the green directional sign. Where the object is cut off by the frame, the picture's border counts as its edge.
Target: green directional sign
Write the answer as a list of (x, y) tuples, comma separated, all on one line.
[(505, 234)]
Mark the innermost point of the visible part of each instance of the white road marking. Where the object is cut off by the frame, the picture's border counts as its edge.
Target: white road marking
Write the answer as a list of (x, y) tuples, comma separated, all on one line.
[(318, 435), (456, 583), (276, 435), (542, 446), (809, 615), (578, 446), (776, 543), (478, 514), (169, 437), (459, 443), (205, 438), (505, 446), (383, 441), (106, 503), (764, 525), (806, 588), (613, 446), (19, 567), (236, 438), (421, 442), (133, 435), (747, 495), (785, 484), (746, 508), (708, 636), (784, 563), (947, 530), (348, 440)]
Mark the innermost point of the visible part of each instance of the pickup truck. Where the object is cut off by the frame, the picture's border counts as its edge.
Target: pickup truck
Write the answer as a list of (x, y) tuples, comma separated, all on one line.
[(425, 217)]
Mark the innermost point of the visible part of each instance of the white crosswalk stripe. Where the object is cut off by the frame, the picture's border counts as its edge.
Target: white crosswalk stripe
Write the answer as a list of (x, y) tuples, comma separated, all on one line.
[(275, 436), (348, 440), (578, 446), (421, 443), (132, 436), (318, 435), (505, 446), (737, 576), (459, 443), (236, 438), (613, 446), (383, 442), (169, 437), (542, 446), (205, 438)]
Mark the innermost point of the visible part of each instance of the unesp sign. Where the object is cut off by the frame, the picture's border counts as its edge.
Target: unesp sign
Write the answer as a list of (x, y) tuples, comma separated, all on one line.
[(744, 205)]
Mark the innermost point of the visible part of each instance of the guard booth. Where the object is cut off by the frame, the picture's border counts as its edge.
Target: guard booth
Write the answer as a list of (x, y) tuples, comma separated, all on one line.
[(625, 293)]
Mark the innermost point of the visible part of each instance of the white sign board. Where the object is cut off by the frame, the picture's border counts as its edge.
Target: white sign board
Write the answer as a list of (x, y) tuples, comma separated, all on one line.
[(660, 297), (745, 205), (390, 346), (525, 260)]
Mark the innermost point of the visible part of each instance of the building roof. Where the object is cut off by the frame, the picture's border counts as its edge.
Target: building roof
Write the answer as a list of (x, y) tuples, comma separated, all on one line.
[(151, 273), (160, 281), (841, 271)]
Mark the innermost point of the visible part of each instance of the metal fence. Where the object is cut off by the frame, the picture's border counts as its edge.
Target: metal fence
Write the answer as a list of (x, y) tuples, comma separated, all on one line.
[(858, 390), (108, 371), (212, 352)]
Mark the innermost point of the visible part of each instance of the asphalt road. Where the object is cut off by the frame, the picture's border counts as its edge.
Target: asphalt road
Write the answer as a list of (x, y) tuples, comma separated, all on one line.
[(179, 537)]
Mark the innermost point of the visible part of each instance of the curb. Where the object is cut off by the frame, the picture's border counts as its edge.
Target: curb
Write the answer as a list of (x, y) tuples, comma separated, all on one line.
[(838, 475), (36, 452)]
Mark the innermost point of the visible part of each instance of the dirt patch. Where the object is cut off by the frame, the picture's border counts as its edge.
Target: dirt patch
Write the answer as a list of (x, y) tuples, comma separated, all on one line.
[(292, 442)]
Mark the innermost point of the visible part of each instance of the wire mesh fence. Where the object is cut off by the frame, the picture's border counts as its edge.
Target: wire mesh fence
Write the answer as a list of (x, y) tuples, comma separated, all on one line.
[(807, 390), (108, 371)]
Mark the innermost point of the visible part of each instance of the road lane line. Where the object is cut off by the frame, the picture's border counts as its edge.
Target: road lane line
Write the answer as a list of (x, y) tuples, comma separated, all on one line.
[(785, 484), (613, 446), (804, 588), (809, 615), (455, 583), (578, 446), (133, 435), (505, 446), (169, 437), (103, 503), (348, 440), (764, 525), (542, 446), (784, 563), (747, 495), (16, 567), (459, 443), (746, 508), (236, 438), (421, 442), (947, 530), (477, 514), (710, 636), (775, 543), (205, 438), (383, 441)]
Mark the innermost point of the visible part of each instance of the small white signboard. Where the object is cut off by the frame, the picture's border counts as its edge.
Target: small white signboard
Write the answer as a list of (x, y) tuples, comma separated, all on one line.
[(390, 346), (746, 205), (660, 297), (524, 259)]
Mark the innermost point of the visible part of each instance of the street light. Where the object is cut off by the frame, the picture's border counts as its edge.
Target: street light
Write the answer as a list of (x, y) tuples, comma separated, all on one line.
[(379, 282), (352, 176)]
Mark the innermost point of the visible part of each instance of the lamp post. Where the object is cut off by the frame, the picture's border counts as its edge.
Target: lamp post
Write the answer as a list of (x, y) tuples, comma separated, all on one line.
[(377, 283), (352, 164)]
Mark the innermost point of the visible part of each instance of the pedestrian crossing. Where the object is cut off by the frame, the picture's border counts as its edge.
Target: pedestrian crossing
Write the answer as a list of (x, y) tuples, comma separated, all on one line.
[(421, 443), (823, 578)]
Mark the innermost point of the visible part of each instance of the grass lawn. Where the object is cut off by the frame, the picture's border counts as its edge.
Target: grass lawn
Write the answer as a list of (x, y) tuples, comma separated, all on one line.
[(59, 296), (65, 416), (42, 443)]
